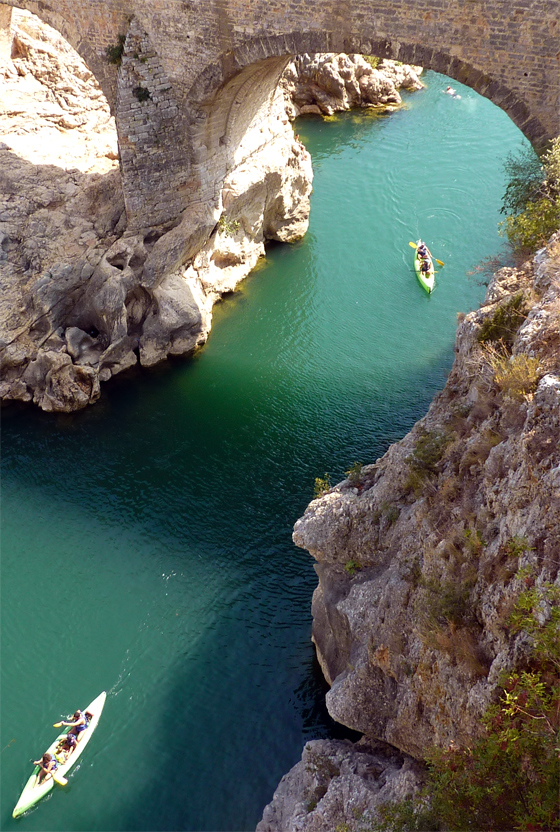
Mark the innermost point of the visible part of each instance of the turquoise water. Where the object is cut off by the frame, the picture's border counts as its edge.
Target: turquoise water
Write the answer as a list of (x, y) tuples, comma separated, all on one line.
[(146, 542)]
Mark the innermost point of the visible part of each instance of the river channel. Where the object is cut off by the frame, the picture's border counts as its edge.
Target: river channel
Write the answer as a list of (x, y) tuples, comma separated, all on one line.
[(146, 541)]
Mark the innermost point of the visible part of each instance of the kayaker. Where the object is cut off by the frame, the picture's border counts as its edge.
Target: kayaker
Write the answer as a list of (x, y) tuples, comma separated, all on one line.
[(66, 746), (48, 765), (425, 267), (79, 724)]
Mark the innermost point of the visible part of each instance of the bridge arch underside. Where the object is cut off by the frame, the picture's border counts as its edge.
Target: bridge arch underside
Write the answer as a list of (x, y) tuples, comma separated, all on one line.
[(232, 96), (283, 47)]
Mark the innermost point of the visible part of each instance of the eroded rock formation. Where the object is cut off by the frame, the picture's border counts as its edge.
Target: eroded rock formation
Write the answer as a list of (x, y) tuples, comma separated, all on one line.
[(328, 83), (336, 779), (83, 298), (418, 558)]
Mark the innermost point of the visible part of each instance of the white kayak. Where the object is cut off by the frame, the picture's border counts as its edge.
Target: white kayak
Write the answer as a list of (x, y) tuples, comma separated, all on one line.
[(32, 792)]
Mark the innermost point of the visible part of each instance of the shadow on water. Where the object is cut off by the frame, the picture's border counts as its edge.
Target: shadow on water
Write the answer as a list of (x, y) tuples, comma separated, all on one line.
[(194, 754)]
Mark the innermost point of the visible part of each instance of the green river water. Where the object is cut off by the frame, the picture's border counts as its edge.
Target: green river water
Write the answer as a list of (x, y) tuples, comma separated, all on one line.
[(146, 542)]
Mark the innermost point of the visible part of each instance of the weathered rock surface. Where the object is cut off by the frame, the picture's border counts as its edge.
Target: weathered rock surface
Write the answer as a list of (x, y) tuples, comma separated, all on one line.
[(335, 778), (418, 559), (329, 83), (51, 109), (81, 298)]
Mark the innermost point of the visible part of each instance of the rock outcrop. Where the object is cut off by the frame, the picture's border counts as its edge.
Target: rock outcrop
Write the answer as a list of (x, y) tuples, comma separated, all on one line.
[(328, 83), (84, 299), (419, 557), (335, 778)]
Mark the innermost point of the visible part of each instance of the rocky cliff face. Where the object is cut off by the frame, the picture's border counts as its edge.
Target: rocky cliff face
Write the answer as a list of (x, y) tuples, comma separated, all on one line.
[(418, 558), (82, 298), (328, 83)]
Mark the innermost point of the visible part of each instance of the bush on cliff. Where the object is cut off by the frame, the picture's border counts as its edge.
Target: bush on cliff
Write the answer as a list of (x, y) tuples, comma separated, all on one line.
[(508, 780), (532, 198)]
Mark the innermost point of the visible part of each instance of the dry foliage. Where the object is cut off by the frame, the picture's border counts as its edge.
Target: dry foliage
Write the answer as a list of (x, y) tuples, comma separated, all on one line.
[(516, 376)]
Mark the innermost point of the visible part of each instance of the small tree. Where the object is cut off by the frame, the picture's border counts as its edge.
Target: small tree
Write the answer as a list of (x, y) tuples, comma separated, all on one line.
[(532, 197)]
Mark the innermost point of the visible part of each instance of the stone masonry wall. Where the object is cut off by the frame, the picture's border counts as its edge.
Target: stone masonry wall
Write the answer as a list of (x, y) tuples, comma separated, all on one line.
[(176, 150)]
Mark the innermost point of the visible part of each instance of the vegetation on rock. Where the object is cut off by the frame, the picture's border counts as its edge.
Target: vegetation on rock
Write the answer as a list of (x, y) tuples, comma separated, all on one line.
[(508, 779), (114, 52), (322, 485), (532, 198), (503, 324)]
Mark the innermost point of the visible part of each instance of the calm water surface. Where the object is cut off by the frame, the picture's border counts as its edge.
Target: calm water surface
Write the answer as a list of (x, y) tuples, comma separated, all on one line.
[(146, 543)]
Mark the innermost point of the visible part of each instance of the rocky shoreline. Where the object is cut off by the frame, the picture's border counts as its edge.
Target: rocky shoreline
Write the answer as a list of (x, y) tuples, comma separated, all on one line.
[(82, 298), (418, 559)]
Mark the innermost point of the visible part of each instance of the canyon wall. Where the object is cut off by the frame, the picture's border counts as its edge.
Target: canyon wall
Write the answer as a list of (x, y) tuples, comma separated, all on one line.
[(421, 557), (85, 296)]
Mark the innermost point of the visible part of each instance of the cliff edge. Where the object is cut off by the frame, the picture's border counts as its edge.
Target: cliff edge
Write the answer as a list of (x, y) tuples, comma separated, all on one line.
[(421, 556)]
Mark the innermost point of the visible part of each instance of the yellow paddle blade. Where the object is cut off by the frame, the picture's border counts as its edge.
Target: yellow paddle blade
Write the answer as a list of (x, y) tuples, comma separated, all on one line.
[(57, 725), (58, 778), (440, 262)]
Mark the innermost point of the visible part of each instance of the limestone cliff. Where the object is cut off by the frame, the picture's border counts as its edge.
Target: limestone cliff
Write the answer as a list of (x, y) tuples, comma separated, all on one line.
[(418, 557), (82, 297), (328, 83)]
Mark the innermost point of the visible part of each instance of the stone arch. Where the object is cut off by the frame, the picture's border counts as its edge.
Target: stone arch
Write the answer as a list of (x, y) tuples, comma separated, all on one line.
[(232, 93), (218, 76)]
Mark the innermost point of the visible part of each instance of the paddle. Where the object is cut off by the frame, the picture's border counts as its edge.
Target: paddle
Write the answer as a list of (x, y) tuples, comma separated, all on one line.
[(58, 778), (441, 263), (58, 724)]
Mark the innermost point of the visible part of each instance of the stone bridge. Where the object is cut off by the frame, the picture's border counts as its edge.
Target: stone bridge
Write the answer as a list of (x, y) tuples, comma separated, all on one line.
[(194, 80)]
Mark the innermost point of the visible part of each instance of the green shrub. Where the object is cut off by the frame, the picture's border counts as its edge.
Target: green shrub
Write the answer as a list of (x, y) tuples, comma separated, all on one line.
[(524, 175), (428, 452), (516, 546), (503, 324), (114, 53), (352, 566), (372, 60), (228, 227), (354, 473), (531, 229), (532, 197), (405, 816), (141, 93), (322, 485)]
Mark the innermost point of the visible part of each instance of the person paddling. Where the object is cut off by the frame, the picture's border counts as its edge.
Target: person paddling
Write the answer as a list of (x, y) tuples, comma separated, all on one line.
[(66, 747), (79, 724), (48, 765)]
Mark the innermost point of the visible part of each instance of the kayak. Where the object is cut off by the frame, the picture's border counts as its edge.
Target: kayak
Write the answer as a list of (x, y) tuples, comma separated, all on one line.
[(426, 279), (32, 793)]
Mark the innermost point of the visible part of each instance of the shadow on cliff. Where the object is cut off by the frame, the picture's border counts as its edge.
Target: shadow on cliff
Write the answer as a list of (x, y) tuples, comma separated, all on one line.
[(64, 201)]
